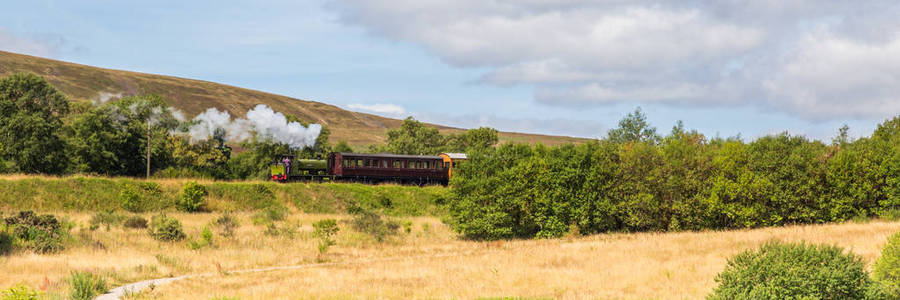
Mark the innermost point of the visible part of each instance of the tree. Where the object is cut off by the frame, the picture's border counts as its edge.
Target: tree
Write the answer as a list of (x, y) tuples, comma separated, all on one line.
[(102, 143), (414, 138), (479, 138), (633, 128), (342, 146), (205, 157), (151, 113), (31, 112)]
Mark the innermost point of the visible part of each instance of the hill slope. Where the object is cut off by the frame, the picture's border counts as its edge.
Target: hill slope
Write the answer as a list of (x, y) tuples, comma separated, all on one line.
[(82, 83)]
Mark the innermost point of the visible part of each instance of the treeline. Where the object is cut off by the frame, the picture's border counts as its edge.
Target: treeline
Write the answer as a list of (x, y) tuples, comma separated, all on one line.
[(637, 180), (42, 132)]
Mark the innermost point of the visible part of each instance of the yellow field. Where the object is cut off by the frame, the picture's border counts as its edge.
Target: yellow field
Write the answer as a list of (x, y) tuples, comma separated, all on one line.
[(427, 262)]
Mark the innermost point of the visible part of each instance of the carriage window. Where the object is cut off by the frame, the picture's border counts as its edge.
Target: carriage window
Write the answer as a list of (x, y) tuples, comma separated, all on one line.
[(359, 162), (374, 163), (368, 162), (396, 164), (346, 163), (384, 163), (428, 165)]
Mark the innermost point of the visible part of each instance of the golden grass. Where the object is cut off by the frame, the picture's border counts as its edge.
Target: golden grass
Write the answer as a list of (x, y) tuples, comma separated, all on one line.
[(428, 262), (614, 266)]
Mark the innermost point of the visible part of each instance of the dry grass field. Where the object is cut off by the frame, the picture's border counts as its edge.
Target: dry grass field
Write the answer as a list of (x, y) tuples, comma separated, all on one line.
[(426, 262)]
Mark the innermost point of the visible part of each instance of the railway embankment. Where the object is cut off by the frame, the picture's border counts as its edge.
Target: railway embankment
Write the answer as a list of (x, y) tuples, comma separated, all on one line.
[(84, 193)]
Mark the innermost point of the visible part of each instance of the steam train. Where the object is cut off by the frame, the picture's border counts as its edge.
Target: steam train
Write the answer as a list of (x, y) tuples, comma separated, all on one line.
[(368, 168)]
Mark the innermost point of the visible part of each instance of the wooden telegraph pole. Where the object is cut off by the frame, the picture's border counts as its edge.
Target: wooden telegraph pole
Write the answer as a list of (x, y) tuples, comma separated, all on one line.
[(148, 148)]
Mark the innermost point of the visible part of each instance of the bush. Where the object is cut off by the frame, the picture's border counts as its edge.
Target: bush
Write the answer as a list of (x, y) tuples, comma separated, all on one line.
[(272, 213), (887, 267), (108, 218), (135, 222), (7, 243), (131, 201), (206, 237), (371, 223), (42, 234), (285, 230), (324, 230), (226, 224), (86, 285), (191, 199), (793, 271), (163, 228), (21, 292)]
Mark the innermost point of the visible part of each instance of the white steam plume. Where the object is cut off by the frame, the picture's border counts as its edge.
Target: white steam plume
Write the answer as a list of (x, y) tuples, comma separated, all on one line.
[(262, 120)]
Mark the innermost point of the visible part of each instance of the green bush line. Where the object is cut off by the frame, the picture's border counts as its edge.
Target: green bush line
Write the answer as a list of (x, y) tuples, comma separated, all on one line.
[(683, 181), (95, 194)]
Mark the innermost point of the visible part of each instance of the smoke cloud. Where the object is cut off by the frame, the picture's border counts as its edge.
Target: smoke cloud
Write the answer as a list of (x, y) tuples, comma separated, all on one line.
[(262, 120), (104, 97)]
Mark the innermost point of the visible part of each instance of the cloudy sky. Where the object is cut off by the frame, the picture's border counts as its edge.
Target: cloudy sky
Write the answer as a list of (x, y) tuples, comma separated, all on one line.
[(568, 67)]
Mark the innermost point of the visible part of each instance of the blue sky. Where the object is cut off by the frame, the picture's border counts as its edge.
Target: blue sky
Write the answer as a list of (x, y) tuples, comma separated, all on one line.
[(567, 67)]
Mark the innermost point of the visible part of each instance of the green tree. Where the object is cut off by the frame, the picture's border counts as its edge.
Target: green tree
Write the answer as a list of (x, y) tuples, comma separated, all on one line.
[(479, 138), (208, 157), (103, 143), (633, 128), (31, 112), (414, 138), (342, 146), (150, 120)]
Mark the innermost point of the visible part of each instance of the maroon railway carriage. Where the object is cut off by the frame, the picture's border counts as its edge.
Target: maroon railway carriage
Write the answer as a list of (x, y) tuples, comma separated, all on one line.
[(374, 168)]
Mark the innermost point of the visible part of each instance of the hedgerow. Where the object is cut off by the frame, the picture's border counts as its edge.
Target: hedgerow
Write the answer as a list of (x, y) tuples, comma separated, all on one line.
[(683, 181)]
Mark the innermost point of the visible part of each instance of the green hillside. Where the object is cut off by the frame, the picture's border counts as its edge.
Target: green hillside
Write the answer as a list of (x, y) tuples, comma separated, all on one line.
[(83, 83)]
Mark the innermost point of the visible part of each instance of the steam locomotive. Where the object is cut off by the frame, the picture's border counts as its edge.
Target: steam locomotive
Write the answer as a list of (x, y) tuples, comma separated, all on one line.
[(368, 168)]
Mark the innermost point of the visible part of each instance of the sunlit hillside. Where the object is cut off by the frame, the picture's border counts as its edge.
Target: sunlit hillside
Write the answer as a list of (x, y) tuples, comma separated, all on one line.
[(83, 83)]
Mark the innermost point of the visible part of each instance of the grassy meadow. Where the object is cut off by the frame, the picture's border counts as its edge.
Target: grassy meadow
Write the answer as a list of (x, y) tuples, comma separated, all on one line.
[(422, 259), (428, 261)]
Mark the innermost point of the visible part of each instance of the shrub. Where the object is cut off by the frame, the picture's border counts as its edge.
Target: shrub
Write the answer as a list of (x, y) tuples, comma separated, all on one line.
[(887, 267), (371, 223), (890, 215), (324, 230), (86, 285), (285, 230), (163, 228), (793, 271), (226, 224), (206, 237), (21, 292), (131, 201), (42, 234), (108, 218), (191, 199), (7, 243), (135, 222), (272, 213)]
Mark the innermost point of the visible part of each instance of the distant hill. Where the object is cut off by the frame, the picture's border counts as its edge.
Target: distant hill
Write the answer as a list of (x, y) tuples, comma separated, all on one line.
[(83, 83)]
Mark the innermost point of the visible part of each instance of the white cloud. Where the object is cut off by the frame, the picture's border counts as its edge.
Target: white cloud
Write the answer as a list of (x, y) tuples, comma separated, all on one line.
[(12, 43), (379, 108), (815, 59)]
